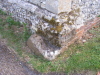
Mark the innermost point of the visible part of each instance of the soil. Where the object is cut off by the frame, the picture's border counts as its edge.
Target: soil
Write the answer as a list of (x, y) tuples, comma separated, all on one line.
[(10, 64)]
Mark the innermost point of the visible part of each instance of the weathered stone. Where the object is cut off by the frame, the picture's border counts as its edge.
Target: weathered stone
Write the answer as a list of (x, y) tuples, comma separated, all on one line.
[(32, 45), (58, 24), (14, 1), (52, 5), (43, 4), (64, 6), (55, 6), (37, 2), (38, 46)]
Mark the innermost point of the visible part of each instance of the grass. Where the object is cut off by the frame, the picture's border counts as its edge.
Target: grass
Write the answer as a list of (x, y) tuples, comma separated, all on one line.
[(11, 22), (2, 12), (78, 57), (14, 40)]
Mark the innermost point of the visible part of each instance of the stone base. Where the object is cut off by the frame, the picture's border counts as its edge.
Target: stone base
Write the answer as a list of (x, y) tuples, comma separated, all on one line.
[(39, 47), (56, 29)]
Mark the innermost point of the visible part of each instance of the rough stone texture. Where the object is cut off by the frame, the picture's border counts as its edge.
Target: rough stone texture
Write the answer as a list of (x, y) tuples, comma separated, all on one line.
[(64, 6), (37, 45), (52, 5), (55, 6), (57, 27), (89, 8)]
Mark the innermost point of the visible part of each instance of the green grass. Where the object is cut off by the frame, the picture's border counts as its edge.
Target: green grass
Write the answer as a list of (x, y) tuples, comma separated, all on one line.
[(14, 40), (2, 12), (78, 57), (11, 22)]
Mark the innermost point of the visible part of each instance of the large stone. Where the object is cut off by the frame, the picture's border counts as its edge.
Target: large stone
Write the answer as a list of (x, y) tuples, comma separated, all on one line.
[(58, 6), (52, 5), (27, 6), (37, 2), (38, 46), (14, 1), (34, 42), (64, 6)]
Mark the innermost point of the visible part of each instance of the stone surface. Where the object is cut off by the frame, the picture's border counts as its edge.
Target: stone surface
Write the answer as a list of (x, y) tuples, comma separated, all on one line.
[(34, 42), (58, 22), (14, 1), (54, 6), (37, 45), (64, 6)]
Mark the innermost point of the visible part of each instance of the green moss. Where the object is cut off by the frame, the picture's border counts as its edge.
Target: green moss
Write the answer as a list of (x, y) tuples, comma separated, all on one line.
[(59, 29), (68, 21), (56, 27), (52, 29), (52, 21), (45, 19), (61, 13), (77, 10), (39, 31), (53, 40), (72, 13)]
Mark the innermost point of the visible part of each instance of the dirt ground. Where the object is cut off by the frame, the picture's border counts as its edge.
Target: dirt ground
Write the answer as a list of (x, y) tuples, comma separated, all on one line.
[(9, 63)]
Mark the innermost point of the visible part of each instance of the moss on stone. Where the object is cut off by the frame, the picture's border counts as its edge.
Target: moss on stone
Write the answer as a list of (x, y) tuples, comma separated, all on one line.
[(72, 13), (54, 40), (59, 28), (45, 19), (77, 10), (52, 21), (56, 27)]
